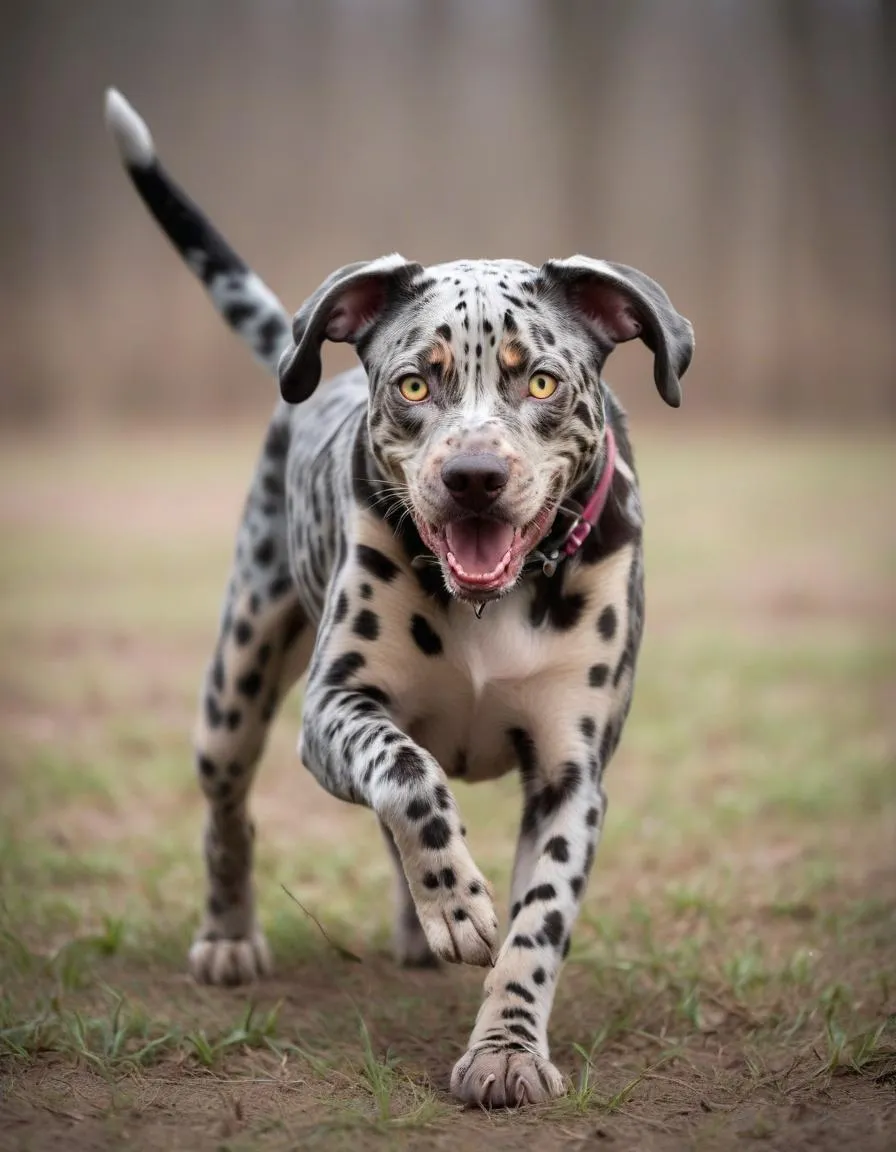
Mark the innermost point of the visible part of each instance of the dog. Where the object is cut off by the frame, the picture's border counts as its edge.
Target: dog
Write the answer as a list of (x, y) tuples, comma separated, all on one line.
[(448, 539)]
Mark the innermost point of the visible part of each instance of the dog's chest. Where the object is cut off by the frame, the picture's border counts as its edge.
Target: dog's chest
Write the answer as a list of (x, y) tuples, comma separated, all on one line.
[(483, 684), (540, 660)]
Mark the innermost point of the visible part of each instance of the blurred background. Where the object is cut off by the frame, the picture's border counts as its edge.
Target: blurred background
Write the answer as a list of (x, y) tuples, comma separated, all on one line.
[(740, 152)]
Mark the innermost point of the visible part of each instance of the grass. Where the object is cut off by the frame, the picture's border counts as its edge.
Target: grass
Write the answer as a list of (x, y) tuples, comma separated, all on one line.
[(731, 976)]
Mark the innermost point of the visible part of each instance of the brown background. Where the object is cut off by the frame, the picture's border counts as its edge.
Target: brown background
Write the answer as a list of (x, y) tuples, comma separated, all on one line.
[(740, 152)]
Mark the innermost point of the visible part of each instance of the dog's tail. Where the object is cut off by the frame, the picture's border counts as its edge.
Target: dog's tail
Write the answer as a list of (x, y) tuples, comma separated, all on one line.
[(247, 304)]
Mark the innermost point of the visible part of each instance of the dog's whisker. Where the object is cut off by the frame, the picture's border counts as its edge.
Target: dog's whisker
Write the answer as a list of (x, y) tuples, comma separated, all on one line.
[(570, 508), (425, 561)]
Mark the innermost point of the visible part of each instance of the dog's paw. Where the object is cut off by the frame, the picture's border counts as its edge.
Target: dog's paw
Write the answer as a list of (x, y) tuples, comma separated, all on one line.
[(230, 962), (487, 1077), (457, 914)]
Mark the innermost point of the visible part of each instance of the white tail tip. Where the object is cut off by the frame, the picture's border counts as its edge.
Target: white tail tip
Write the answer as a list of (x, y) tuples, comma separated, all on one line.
[(130, 132)]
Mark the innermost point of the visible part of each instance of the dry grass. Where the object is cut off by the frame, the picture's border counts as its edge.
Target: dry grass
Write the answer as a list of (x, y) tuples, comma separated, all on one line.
[(731, 980)]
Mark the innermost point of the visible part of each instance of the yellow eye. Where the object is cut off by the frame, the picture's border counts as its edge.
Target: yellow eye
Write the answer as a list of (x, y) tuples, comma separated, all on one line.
[(414, 388), (542, 386)]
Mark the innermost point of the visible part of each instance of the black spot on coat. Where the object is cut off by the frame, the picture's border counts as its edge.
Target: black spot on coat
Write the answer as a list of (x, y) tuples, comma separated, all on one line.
[(540, 892), (250, 684), (418, 809), (407, 768), (375, 695), (276, 443), (366, 625), (213, 714), (545, 802), (279, 586), (553, 927), (435, 833), (549, 604), (343, 667), (377, 563), (425, 637), (558, 849), (607, 623), (264, 551), (526, 753)]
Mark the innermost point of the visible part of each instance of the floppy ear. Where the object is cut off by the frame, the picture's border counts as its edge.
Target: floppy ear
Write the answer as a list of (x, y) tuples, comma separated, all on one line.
[(619, 303), (343, 309)]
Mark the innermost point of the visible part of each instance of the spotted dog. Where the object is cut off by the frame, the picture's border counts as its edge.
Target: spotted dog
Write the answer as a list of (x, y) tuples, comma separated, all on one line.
[(449, 540)]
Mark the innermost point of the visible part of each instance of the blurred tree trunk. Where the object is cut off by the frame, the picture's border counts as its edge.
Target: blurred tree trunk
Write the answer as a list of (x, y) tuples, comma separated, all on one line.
[(804, 233), (586, 66), (886, 70), (741, 152)]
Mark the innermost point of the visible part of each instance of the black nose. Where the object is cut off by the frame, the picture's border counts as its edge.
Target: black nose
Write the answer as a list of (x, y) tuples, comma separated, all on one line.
[(475, 480)]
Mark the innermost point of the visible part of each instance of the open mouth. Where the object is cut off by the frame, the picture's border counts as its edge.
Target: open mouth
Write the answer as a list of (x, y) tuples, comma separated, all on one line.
[(482, 556)]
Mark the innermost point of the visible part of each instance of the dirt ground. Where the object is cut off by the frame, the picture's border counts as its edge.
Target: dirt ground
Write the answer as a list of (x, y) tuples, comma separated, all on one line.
[(732, 979)]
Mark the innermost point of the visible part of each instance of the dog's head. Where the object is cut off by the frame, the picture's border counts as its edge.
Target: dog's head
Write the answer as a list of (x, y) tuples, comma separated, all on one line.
[(485, 407)]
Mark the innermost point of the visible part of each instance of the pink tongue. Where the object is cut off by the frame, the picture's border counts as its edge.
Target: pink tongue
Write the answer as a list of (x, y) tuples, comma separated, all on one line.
[(479, 545)]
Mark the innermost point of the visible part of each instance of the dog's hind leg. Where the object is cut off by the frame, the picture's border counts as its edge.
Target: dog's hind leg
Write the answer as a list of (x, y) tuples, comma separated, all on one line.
[(263, 647)]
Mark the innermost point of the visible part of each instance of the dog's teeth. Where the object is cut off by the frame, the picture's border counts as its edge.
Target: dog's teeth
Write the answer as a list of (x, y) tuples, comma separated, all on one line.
[(480, 577), (453, 561)]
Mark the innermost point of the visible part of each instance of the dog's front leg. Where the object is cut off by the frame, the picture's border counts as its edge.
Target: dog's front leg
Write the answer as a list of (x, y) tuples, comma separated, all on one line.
[(357, 752), (507, 1061)]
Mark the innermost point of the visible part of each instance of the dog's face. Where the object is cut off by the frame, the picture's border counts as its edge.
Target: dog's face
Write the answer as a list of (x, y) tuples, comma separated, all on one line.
[(484, 413), (485, 407)]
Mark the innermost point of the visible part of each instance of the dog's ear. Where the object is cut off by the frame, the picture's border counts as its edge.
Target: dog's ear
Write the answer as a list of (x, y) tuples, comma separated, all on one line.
[(343, 309), (619, 303)]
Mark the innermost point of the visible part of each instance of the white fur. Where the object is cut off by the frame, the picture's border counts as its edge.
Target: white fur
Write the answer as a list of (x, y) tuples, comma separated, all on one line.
[(244, 288), (129, 131)]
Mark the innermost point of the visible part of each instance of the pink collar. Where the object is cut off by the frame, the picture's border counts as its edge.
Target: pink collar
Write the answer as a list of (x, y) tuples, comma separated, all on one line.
[(585, 521), (591, 513)]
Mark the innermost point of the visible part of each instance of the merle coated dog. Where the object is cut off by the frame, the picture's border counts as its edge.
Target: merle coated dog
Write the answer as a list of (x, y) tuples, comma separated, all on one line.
[(449, 539)]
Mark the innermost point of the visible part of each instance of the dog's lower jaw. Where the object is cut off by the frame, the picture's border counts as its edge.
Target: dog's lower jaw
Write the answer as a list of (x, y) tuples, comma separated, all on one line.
[(480, 589), (475, 597)]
